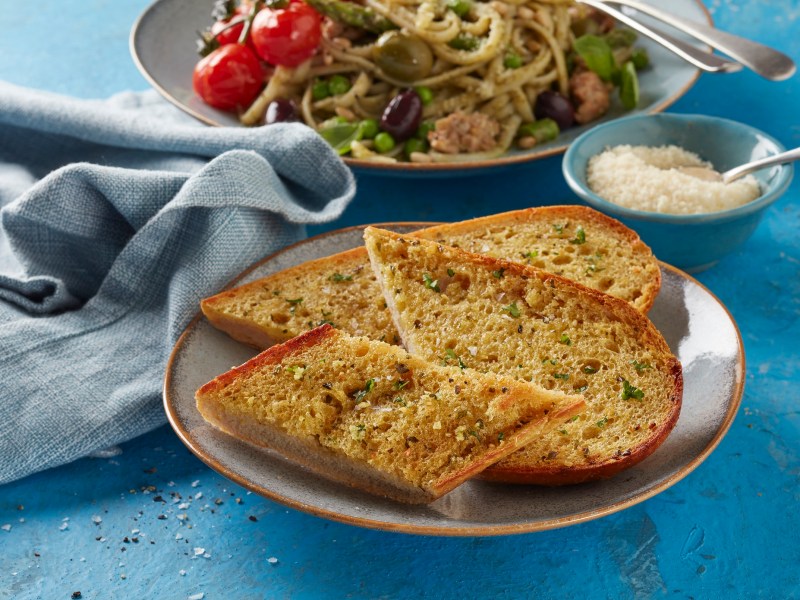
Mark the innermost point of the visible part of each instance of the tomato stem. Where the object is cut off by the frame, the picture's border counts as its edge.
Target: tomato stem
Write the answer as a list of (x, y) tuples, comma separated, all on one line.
[(248, 22)]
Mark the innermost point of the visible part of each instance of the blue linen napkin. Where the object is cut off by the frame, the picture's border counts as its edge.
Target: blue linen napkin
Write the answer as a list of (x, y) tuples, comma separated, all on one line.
[(118, 217)]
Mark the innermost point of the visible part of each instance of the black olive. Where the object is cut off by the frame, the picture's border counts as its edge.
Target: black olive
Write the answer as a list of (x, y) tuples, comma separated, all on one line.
[(552, 105), (281, 111), (402, 116)]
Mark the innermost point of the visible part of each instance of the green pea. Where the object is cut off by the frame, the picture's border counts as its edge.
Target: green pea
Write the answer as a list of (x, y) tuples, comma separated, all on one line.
[(464, 41), (424, 128), (460, 7), (415, 145), (543, 130), (384, 142), (320, 90), (369, 128), (640, 58), (512, 61), (338, 84), (425, 94)]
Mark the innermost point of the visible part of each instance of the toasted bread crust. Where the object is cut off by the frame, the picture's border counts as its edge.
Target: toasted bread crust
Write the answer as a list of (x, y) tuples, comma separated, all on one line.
[(296, 399), (402, 263), (519, 473), (341, 288), (260, 313), (640, 256), (273, 356)]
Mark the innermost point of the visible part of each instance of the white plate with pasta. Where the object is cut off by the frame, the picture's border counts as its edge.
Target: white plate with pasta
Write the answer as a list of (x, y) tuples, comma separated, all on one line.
[(484, 83)]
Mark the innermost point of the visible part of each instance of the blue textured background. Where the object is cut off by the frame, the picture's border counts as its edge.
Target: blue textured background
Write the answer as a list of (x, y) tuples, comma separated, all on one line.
[(728, 530)]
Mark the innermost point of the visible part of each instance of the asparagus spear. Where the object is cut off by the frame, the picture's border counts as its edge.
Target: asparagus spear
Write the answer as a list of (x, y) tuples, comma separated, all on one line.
[(352, 14)]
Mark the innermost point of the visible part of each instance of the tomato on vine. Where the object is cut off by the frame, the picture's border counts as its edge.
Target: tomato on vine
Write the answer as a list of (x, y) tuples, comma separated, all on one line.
[(229, 78), (228, 31), (286, 36)]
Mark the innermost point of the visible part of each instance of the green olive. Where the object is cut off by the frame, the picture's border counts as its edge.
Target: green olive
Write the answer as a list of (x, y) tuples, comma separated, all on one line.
[(403, 57)]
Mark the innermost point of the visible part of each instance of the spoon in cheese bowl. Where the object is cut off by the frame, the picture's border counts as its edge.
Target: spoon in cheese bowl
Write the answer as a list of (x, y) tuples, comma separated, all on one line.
[(730, 175)]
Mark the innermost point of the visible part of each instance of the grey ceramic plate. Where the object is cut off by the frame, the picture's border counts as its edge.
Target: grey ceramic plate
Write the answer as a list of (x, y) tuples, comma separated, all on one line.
[(696, 325), (162, 44)]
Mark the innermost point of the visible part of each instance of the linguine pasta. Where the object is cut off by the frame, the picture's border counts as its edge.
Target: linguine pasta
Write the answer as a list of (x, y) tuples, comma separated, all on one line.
[(466, 80), (435, 80)]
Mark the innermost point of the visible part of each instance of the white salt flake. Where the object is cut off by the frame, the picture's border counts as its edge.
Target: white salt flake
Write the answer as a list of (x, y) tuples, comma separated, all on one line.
[(199, 551), (171, 483), (6, 527), (96, 519), (272, 560), (182, 572), (106, 452), (198, 596), (198, 495), (178, 536), (183, 506), (182, 517), (196, 483), (63, 526)]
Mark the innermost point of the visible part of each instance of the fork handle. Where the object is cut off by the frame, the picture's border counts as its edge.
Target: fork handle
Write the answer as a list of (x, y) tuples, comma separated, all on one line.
[(765, 61)]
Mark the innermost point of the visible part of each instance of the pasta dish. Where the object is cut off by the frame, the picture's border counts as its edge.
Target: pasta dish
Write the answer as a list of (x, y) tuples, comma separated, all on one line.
[(438, 80)]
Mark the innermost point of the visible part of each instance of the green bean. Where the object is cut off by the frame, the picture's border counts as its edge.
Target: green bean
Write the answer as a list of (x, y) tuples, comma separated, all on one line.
[(542, 130)]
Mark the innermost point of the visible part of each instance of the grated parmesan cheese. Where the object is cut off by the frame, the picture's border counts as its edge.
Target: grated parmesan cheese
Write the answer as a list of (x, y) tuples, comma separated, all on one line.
[(647, 178)]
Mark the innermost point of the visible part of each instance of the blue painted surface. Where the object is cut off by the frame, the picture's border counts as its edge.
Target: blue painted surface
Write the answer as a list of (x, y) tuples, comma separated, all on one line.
[(728, 530)]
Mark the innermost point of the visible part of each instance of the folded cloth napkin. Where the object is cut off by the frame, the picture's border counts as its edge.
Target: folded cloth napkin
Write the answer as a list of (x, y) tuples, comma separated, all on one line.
[(118, 217)]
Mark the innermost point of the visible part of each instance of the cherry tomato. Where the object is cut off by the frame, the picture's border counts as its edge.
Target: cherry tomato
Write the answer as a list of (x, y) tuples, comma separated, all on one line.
[(228, 78), (229, 35), (287, 36)]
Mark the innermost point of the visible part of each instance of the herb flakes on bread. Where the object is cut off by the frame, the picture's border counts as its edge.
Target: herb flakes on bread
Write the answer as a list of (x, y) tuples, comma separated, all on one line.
[(370, 415), (498, 316)]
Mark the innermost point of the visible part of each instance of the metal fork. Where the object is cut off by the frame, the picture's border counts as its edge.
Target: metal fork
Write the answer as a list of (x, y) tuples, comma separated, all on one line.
[(761, 59), (698, 57)]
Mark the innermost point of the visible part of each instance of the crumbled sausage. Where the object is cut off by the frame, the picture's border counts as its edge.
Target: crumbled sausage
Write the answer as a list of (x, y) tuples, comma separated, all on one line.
[(590, 95), (462, 132)]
